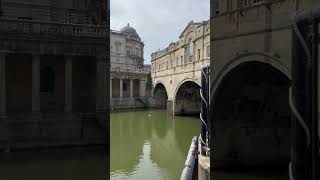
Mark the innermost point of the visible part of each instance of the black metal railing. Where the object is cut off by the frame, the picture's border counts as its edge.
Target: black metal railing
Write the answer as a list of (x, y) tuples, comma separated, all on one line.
[(205, 111), (303, 97)]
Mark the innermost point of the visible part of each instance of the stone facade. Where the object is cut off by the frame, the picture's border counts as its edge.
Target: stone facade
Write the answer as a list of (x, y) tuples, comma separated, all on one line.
[(250, 77), (52, 64), (128, 75), (181, 63)]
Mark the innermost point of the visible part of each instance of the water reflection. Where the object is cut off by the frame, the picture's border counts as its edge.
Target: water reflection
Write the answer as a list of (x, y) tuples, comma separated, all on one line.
[(63, 164), (150, 144)]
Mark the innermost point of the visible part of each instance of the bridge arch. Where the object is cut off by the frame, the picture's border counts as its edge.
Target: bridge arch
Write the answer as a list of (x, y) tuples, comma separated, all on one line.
[(187, 97), (250, 112), (254, 56), (160, 94)]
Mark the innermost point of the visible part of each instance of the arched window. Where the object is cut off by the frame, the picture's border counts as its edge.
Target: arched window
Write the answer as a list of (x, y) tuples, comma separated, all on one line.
[(190, 49), (46, 79)]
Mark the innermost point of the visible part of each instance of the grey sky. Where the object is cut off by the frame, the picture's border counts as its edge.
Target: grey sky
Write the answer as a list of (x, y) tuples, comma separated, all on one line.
[(158, 22)]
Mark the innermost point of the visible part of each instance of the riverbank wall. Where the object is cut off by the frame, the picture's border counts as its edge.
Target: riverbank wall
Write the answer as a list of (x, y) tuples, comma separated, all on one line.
[(48, 130), (117, 104)]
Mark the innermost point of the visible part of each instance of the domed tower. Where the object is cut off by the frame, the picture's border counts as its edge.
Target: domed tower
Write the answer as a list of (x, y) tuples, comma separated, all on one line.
[(130, 32), (134, 48), (128, 78)]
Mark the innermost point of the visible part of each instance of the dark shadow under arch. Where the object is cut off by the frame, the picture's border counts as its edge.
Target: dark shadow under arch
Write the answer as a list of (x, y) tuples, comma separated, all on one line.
[(187, 99), (160, 95), (250, 117)]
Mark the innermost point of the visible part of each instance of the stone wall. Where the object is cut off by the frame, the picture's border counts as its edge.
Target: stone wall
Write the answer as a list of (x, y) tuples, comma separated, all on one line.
[(259, 33), (50, 130)]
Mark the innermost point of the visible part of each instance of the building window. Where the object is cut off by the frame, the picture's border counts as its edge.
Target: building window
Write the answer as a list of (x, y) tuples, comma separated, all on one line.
[(190, 50), (128, 51), (181, 60), (185, 58), (46, 79), (208, 51), (117, 48), (198, 54), (117, 60), (177, 61)]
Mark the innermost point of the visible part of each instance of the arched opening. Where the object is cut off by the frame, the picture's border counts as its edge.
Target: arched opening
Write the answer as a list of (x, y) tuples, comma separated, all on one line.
[(187, 100), (160, 95), (251, 118)]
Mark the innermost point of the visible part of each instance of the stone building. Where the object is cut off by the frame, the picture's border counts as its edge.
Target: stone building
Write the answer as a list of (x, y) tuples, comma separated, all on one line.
[(128, 75), (250, 79), (176, 69), (53, 60)]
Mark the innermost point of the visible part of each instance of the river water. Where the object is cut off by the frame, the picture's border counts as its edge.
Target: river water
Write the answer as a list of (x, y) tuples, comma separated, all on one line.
[(144, 145), (152, 145), (149, 144), (55, 164)]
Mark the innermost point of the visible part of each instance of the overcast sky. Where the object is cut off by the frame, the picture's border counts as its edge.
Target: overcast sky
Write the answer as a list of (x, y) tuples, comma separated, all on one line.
[(158, 22)]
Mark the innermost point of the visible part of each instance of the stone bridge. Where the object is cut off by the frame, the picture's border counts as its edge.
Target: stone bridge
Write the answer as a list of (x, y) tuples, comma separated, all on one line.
[(180, 91), (250, 78), (176, 70)]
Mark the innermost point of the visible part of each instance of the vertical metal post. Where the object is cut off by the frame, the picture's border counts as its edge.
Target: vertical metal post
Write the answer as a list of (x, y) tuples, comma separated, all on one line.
[(298, 96), (313, 101), (204, 115), (304, 97)]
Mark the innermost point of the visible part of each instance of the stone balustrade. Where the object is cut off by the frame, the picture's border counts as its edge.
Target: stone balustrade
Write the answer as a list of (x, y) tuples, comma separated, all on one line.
[(51, 28), (136, 71)]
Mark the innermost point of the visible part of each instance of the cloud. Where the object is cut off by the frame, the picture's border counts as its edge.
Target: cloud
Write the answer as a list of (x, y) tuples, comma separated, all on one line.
[(158, 22)]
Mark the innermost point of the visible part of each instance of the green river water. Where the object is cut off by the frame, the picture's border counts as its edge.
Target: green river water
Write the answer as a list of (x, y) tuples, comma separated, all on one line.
[(144, 145), (152, 145)]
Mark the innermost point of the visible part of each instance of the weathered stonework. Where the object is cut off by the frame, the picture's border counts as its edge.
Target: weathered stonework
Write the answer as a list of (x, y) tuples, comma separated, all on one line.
[(181, 63), (53, 63), (128, 76), (256, 35)]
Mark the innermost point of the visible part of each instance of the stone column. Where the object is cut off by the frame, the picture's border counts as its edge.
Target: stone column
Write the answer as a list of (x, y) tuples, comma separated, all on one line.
[(68, 84), (101, 68), (121, 88), (143, 84), (35, 83), (131, 88), (170, 107), (110, 88), (3, 94)]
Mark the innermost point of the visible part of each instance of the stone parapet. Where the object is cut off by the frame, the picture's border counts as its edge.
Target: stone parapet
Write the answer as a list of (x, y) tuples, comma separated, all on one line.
[(12, 26)]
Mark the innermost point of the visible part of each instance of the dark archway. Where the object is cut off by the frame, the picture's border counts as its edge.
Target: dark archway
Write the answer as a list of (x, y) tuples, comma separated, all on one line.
[(187, 99), (251, 117), (160, 95)]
